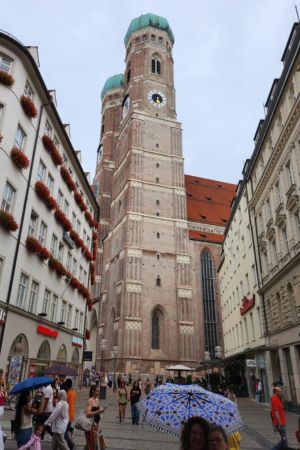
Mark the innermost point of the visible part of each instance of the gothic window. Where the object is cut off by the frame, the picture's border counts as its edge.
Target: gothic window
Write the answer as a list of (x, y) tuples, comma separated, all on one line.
[(156, 66), (208, 275), (157, 235), (160, 40), (128, 73), (158, 281), (157, 180), (155, 330)]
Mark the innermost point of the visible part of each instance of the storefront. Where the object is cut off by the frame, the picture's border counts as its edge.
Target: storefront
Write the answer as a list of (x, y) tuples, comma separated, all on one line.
[(17, 360)]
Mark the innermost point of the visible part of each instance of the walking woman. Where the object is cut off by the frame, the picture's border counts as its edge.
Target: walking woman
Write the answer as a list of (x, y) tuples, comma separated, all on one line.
[(93, 410), (122, 400), (23, 419), (135, 395), (194, 434)]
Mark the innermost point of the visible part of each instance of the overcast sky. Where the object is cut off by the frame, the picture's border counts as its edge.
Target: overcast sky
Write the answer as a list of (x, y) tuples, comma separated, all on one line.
[(226, 55)]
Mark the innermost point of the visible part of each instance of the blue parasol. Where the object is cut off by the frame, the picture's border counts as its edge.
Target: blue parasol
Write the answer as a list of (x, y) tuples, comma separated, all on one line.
[(168, 406), (29, 384)]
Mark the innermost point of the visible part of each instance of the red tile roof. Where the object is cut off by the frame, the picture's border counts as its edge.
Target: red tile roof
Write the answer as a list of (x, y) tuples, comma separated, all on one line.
[(208, 202)]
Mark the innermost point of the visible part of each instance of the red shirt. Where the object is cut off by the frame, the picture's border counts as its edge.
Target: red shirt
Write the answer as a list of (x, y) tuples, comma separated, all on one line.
[(277, 406)]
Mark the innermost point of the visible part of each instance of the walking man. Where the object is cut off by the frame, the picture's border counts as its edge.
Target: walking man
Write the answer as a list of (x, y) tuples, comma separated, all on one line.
[(58, 420), (71, 399), (278, 418)]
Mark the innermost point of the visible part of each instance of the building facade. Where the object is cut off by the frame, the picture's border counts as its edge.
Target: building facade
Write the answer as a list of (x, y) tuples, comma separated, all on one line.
[(47, 224), (271, 189), (151, 311)]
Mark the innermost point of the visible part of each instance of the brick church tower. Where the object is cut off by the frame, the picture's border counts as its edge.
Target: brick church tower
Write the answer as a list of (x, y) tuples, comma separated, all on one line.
[(144, 267)]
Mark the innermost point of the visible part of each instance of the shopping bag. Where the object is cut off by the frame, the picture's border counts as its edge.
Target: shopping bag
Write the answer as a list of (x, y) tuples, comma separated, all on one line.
[(83, 422)]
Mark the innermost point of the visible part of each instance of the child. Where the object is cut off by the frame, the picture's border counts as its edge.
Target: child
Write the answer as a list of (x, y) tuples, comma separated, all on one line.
[(35, 442)]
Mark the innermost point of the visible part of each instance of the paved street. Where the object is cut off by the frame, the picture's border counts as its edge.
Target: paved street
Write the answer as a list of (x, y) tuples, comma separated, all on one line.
[(258, 433)]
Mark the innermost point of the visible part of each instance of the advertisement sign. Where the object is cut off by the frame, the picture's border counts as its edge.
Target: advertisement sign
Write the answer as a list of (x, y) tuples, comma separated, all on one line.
[(47, 331), (247, 304), (87, 356), (77, 341), (250, 363), (15, 368)]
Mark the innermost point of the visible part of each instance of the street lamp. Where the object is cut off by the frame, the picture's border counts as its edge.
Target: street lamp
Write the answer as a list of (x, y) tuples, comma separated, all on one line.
[(113, 354), (102, 348)]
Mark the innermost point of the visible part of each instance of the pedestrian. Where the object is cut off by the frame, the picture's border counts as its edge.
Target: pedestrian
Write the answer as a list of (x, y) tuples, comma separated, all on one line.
[(71, 399), (23, 418), (135, 395), (258, 389), (122, 401), (119, 379), (93, 410), (217, 438), (278, 418), (35, 442), (194, 434), (48, 408), (234, 439), (58, 420), (147, 386), (3, 397), (140, 383)]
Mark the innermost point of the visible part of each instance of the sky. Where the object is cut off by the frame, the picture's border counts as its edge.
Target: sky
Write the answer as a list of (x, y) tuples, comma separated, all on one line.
[(226, 55)]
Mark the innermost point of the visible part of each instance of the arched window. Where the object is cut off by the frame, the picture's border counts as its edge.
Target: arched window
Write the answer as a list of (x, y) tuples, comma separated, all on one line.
[(158, 281), (155, 330), (208, 274), (156, 66)]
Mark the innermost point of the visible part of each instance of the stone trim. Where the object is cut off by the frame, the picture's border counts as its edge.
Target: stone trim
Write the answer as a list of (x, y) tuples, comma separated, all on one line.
[(186, 329), (133, 325), (184, 293)]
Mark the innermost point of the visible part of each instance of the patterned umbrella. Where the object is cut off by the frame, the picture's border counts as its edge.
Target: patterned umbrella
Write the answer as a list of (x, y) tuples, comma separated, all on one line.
[(168, 406)]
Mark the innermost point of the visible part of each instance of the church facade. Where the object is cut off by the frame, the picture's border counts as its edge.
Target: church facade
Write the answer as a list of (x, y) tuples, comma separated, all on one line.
[(160, 231)]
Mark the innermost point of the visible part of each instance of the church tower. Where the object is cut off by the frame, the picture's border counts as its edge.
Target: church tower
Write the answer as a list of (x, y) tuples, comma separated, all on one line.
[(144, 265)]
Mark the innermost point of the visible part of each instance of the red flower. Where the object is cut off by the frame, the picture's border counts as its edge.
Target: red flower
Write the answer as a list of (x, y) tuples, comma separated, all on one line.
[(6, 78), (33, 245), (75, 283), (67, 178), (51, 202), (88, 256), (56, 265), (42, 190), (51, 148), (19, 158), (7, 221), (62, 218), (93, 273), (89, 218), (28, 106), (94, 235)]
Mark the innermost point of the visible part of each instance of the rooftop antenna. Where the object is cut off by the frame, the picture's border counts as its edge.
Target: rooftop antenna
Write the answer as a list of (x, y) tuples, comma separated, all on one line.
[(297, 13)]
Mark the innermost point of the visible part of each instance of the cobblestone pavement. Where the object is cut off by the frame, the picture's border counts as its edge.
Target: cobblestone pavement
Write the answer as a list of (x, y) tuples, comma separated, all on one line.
[(258, 433)]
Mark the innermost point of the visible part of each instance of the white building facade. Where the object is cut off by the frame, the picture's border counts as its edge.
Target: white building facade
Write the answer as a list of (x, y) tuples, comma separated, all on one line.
[(47, 224)]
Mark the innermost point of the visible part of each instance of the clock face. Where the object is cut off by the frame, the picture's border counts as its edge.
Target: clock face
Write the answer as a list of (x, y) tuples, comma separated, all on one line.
[(157, 99), (126, 106)]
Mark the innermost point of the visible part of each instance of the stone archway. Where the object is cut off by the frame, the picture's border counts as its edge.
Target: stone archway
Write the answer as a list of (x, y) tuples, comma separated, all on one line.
[(62, 354), (43, 357), (75, 358), (17, 359)]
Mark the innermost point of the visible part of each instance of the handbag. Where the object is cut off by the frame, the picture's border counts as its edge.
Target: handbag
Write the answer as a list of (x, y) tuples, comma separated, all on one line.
[(83, 422), (102, 442)]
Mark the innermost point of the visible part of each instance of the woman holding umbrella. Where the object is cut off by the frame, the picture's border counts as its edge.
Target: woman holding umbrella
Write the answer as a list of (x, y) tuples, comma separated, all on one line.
[(23, 419)]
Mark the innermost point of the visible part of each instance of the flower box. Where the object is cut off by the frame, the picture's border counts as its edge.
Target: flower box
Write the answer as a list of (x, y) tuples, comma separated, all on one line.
[(89, 218), (51, 203), (83, 290), (94, 236), (28, 107), (56, 265), (79, 200), (34, 246), (6, 78), (51, 148), (7, 221), (93, 273), (62, 218), (74, 283), (42, 190), (75, 236), (67, 178), (19, 158), (88, 256)]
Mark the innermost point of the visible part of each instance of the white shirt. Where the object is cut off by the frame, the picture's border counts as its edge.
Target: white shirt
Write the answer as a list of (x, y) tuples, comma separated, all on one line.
[(59, 418), (48, 393)]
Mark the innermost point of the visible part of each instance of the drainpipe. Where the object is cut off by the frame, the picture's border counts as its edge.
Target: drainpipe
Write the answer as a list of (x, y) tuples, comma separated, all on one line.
[(13, 271), (258, 265)]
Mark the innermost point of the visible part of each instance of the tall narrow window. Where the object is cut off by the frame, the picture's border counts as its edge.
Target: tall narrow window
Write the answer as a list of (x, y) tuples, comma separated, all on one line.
[(41, 171), (22, 290), (158, 281), (48, 129), (53, 308), (20, 137), (8, 197), (33, 296), (33, 223), (28, 91), (5, 63), (53, 247), (60, 198), (50, 182), (290, 174), (46, 301), (208, 275), (42, 233), (155, 330), (156, 66), (63, 311)]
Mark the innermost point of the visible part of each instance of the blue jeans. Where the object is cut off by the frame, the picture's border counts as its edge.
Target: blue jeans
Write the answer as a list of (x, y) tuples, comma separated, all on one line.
[(134, 414), (23, 436), (283, 443)]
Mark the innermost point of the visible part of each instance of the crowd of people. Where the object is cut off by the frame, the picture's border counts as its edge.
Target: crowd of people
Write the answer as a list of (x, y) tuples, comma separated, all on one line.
[(50, 416)]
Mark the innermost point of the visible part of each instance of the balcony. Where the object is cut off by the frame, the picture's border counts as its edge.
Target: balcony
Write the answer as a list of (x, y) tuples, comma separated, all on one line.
[(292, 199)]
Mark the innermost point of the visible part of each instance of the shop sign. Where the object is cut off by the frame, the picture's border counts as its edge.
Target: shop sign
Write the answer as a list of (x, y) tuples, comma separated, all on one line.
[(250, 363), (87, 356), (77, 341), (247, 304), (68, 240), (47, 331), (2, 316), (15, 368)]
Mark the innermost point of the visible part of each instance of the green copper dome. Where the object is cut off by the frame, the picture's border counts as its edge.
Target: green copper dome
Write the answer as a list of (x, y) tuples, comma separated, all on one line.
[(114, 82), (149, 20)]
